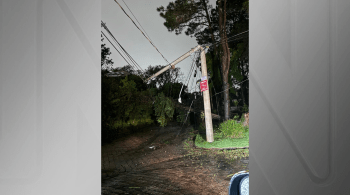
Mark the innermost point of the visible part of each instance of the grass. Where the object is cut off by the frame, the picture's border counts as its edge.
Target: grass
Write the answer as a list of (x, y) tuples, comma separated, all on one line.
[(228, 134), (228, 156), (220, 142)]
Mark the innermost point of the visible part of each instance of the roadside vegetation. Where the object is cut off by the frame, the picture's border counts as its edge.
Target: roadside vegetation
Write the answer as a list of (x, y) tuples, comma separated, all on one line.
[(128, 103), (229, 134), (227, 156)]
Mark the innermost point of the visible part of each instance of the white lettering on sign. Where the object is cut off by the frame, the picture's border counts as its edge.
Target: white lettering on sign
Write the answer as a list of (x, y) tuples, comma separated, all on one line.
[(204, 85)]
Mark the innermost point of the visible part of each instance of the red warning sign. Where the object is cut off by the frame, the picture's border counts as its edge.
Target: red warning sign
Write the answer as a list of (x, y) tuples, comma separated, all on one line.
[(204, 85)]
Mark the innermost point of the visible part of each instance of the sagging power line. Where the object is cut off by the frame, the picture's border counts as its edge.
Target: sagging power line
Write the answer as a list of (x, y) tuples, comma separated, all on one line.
[(137, 21), (142, 32), (116, 49), (130, 60)]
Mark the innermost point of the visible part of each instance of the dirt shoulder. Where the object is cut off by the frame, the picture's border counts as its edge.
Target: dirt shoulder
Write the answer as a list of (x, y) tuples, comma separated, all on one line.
[(162, 161)]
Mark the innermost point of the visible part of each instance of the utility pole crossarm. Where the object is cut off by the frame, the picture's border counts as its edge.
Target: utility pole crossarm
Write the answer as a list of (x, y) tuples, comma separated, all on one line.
[(172, 65), (206, 98)]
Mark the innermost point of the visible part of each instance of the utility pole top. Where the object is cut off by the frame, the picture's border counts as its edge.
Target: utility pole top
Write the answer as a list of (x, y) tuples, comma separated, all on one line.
[(172, 65), (206, 98)]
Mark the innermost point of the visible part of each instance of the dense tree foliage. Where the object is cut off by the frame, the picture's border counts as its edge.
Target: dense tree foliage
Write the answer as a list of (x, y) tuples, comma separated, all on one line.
[(227, 61), (129, 103), (126, 100), (124, 105)]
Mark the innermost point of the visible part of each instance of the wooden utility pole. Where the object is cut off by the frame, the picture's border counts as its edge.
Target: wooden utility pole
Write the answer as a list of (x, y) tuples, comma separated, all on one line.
[(172, 65), (206, 98)]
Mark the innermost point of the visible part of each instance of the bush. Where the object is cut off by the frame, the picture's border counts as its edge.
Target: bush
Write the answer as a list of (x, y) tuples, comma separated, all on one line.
[(245, 108), (164, 109), (232, 129), (181, 115), (123, 106)]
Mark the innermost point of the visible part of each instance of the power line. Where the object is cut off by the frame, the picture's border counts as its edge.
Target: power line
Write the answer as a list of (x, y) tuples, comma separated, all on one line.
[(194, 79), (142, 32), (131, 65), (116, 49), (216, 97), (137, 21), (188, 78), (190, 75), (195, 85), (191, 70), (227, 88), (122, 48), (228, 39), (232, 86)]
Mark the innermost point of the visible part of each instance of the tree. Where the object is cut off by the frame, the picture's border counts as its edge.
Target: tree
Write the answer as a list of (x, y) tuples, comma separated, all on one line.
[(237, 22), (195, 17), (225, 57), (240, 49), (133, 75), (107, 111), (125, 100), (170, 76), (106, 61), (164, 109)]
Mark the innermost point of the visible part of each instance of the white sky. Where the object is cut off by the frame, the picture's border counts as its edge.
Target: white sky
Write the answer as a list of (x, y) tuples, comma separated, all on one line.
[(170, 45)]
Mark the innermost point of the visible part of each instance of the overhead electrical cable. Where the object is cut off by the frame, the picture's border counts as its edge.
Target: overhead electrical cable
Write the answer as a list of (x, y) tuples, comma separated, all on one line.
[(117, 49), (122, 48), (142, 32), (187, 79), (228, 39), (131, 64), (195, 81), (137, 21), (129, 61), (190, 73), (116, 41), (194, 77)]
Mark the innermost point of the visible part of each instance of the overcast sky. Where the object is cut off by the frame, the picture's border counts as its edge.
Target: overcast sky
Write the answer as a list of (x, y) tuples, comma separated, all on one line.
[(170, 45)]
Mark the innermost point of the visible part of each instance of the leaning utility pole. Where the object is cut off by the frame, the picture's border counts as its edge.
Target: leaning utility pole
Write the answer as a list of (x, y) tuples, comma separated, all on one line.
[(206, 99), (172, 65), (204, 89)]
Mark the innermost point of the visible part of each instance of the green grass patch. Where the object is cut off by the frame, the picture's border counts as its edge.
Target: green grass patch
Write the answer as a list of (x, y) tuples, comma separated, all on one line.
[(228, 156), (227, 135), (220, 142)]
